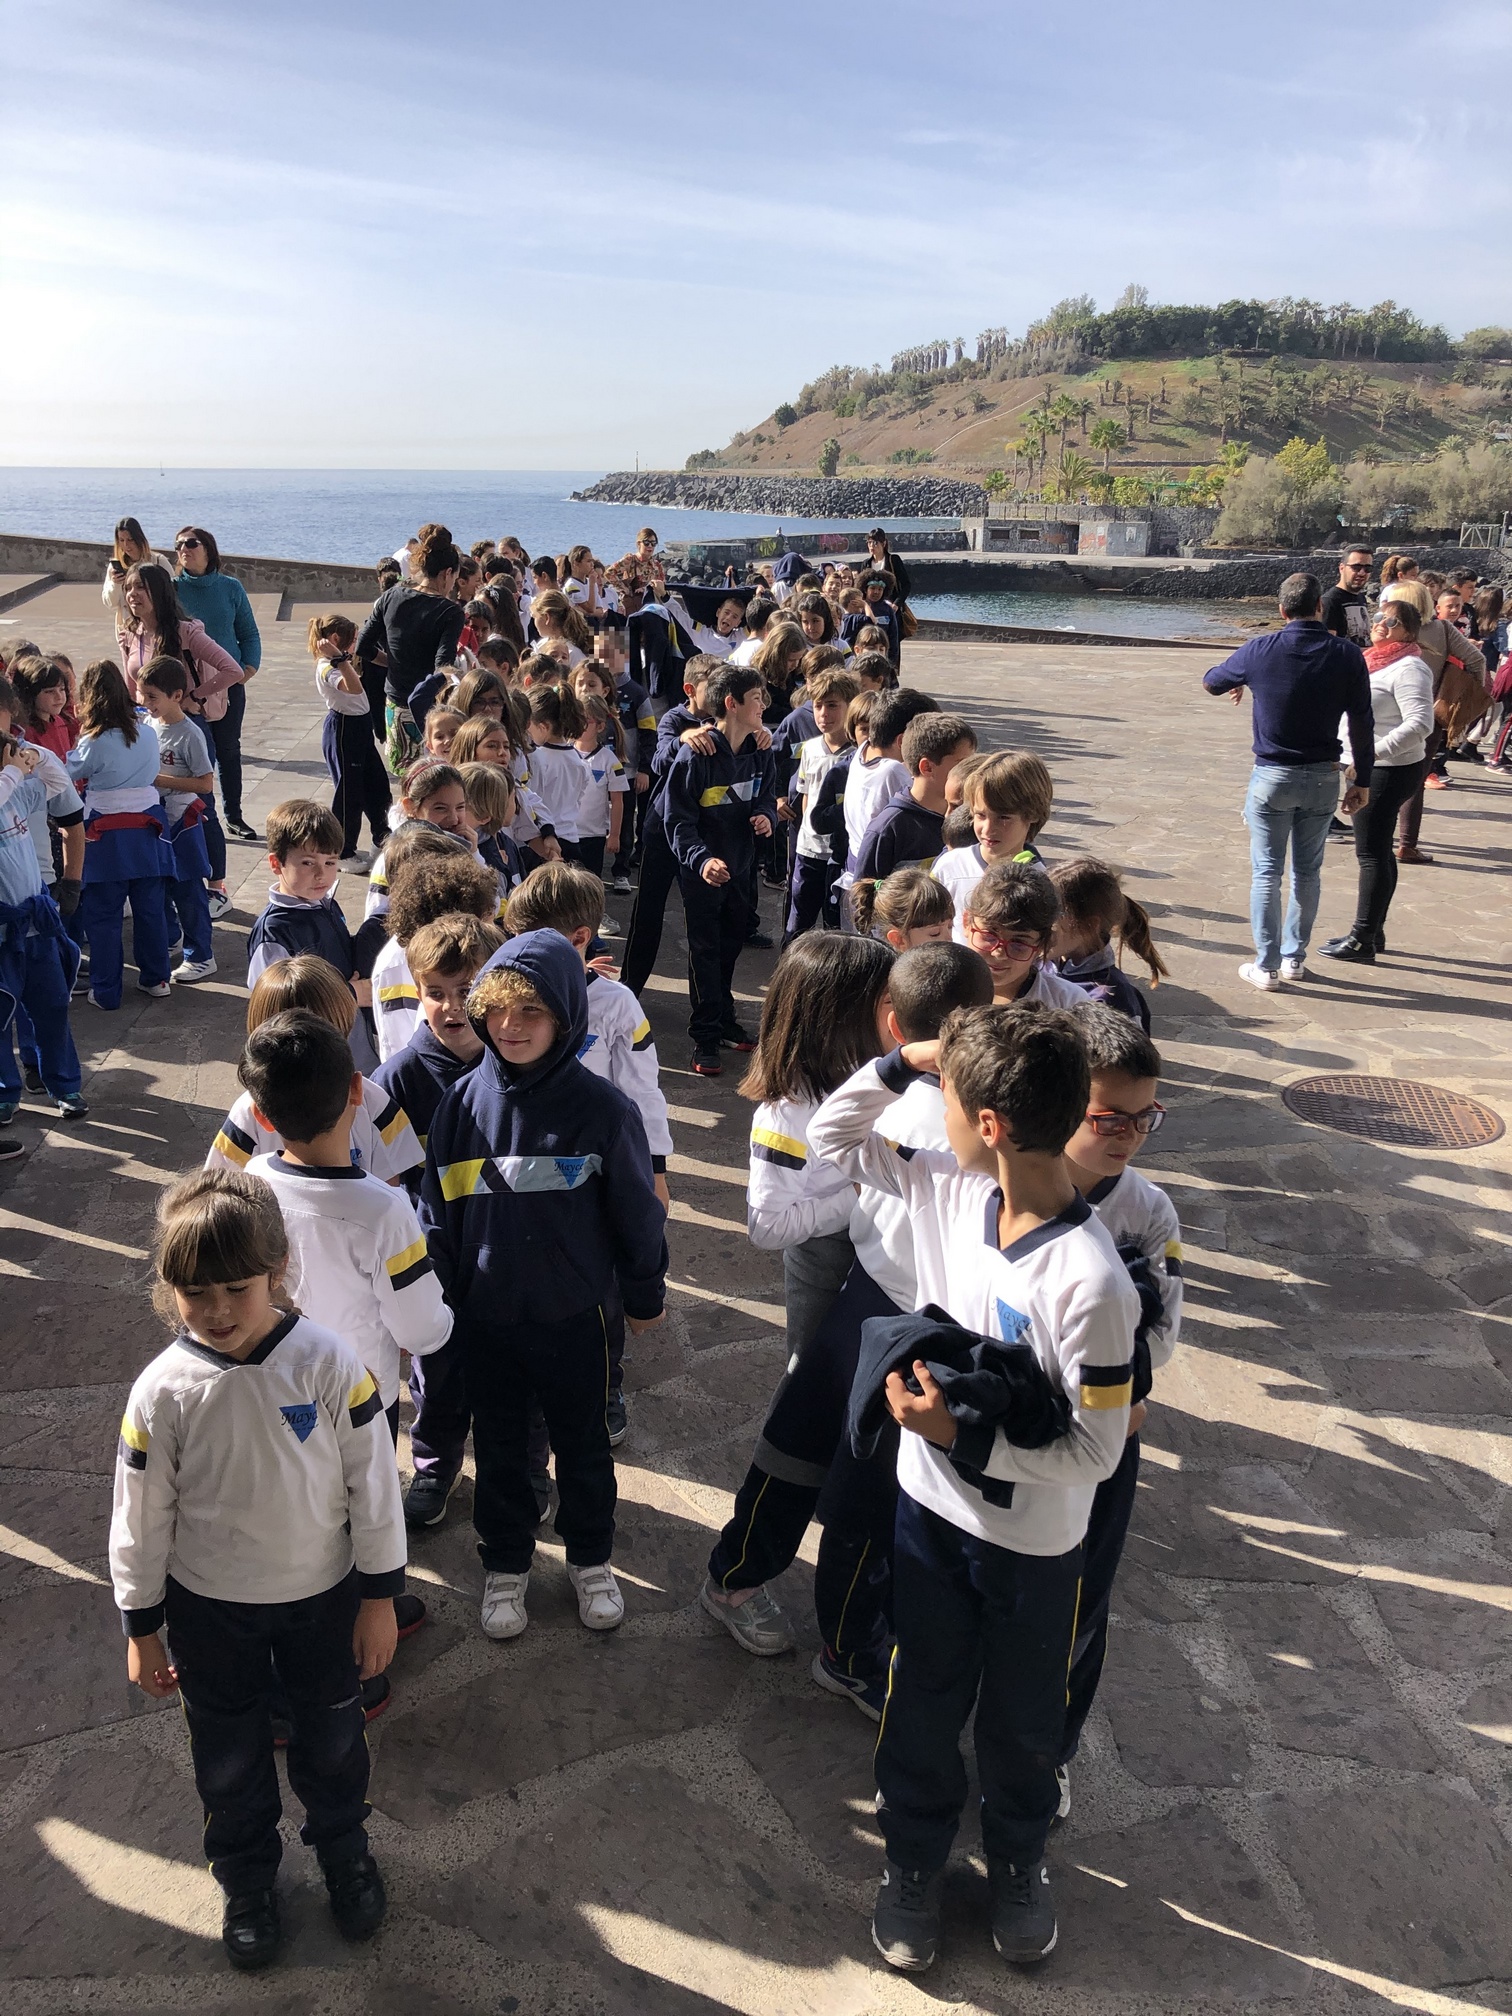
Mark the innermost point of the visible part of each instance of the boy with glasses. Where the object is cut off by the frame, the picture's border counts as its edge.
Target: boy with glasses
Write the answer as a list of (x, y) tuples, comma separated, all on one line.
[(1122, 1113)]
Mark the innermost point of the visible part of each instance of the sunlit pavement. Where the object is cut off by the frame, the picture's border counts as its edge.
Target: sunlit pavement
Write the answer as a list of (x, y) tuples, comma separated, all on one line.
[(1294, 1789)]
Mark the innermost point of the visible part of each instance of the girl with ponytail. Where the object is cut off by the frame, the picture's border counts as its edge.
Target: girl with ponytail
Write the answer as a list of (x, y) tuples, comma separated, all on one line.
[(1095, 911)]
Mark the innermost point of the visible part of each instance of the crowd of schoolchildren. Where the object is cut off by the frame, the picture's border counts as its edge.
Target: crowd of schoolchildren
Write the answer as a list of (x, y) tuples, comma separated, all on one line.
[(452, 1144)]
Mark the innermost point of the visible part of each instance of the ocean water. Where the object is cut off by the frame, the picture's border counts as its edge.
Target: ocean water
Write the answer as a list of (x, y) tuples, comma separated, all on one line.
[(1110, 615), (354, 515)]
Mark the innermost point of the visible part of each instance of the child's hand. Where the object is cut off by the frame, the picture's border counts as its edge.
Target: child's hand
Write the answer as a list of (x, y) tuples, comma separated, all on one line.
[(1136, 1416), (762, 738), (374, 1636), (762, 825), (921, 1413), (147, 1667), (636, 1324), (663, 1194), (922, 1056), (714, 872), (701, 739), (604, 964), (21, 756)]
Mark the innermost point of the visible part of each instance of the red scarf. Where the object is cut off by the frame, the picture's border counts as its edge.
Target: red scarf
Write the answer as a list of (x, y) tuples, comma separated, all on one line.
[(1379, 656)]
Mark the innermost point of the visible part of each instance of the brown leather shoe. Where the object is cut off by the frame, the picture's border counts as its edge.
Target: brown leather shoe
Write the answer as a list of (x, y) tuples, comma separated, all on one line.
[(1414, 857)]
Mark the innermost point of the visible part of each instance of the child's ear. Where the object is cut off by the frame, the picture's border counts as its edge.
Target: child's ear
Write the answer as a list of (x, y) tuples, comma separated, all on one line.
[(892, 1026), (355, 1089), (582, 937)]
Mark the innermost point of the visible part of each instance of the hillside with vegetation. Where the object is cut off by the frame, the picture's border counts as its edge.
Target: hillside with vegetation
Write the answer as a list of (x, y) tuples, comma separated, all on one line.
[(1368, 412)]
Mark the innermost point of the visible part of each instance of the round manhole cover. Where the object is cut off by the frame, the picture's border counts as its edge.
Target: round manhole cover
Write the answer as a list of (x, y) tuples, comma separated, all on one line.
[(1395, 1110)]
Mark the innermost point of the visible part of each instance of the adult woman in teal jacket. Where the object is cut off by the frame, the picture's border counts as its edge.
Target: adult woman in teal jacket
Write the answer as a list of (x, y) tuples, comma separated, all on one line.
[(220, 602)]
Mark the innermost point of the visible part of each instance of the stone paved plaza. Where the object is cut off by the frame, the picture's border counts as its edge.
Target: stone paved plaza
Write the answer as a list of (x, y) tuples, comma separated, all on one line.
[(1294, 1793)]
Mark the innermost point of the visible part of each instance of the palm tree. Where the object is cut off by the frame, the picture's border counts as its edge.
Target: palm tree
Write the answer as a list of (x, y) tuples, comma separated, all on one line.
[(1084, 411), (1063, 412), (1071, 478), (1109, 437)]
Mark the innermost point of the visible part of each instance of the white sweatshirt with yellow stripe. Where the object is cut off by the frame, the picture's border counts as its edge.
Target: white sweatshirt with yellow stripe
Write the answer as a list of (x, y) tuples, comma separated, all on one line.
[(256, 1480), (792, 1195), (1061, 1289), (383, 1141), (396, 1000), (618, 1046), (1138, 1213), (359, 1264)]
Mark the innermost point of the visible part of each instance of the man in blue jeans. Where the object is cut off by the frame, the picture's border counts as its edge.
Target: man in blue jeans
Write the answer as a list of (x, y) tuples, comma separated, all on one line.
[(1303, 680)]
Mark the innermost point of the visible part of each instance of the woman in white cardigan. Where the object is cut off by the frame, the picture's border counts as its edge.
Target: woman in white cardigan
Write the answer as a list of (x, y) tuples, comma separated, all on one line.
[(131, 550), (1401, 697)]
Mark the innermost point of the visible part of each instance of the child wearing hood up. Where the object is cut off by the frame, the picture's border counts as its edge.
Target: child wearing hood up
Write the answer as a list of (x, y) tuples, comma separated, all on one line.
[(538, 1204)]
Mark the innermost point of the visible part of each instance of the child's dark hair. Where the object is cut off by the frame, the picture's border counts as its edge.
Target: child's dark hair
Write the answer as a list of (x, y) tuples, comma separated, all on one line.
[(33, 676), (907, 900), (958, 830), (334, 629), (433, 886), (164, 675), (424, 779), (1116, 1042), (558, 896), (298, 1071), (931, 737), (1091, 892), (929, 981), (301, 822), (559, 709), (815, 605), (1016, 896), (819, 1019), (878, 666), (1023, 1061), (105, 701), (499, 650), (897, 710), (214, 1226), (759, 612), (475, 686), (730, 682)]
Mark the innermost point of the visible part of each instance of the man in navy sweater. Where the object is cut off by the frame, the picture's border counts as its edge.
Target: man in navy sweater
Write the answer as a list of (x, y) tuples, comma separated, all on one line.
[(715, 806), (1303, 680)]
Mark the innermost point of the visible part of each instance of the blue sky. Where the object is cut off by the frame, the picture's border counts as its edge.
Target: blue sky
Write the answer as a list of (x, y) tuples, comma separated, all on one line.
[(503, 236)]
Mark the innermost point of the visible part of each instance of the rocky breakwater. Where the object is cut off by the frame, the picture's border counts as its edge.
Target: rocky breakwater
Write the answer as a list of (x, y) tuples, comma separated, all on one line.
[(790, 496)]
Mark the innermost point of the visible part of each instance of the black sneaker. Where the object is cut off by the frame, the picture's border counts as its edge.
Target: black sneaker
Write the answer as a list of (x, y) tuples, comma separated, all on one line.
[(618, 1418), (358, 1898), (241, 829), (425, 1501), (10, 1146), (867, 1690), (409, 1614), (31, 1078), (906, 1918), (250, 1930), (734, 1037), (706, 1064), (760, 941), (1023, 1913), (375, 1695)]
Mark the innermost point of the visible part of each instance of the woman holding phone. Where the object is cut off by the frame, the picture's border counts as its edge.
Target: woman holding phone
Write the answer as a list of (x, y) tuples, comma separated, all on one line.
[(131, 550)]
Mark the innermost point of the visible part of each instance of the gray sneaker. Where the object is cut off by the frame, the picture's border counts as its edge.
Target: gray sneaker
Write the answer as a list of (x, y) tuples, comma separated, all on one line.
[(1023, 1913), (906, 1918), (759, 1624)]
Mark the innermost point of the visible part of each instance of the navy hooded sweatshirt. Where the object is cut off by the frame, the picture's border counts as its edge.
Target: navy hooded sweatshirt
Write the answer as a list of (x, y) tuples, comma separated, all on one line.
[(537, 1199), (420, 1075)]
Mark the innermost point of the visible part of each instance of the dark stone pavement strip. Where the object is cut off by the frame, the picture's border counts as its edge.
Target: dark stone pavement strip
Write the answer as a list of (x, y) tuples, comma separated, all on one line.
[(1318, 1581)]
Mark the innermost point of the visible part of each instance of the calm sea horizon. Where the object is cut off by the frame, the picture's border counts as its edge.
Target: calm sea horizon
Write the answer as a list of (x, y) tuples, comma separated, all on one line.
[(354, 515)]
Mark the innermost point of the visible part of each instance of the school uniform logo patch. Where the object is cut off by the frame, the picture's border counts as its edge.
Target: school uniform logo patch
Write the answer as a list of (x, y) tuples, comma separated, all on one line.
[(301, 1419), (587, 1044), (1012, 1322)]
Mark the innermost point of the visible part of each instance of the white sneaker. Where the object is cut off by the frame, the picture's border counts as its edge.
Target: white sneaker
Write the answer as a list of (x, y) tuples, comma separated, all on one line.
[(195, 969), (1258, 977), (159, 993), (355, 864), (504, 1604), (219, 903), (600, 1605), (1294, 969)]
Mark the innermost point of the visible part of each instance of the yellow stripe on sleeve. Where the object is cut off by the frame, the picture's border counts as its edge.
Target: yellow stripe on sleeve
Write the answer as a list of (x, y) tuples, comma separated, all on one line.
[(784, 1144), (224, 1145), (134, 1437), (363, 1390), (1096, 1399), (400, 991), (410, 1257)]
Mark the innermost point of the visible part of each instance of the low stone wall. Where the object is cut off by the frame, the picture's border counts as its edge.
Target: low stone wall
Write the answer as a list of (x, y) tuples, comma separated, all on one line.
[(861, 497), (85, 560), (936, 630)]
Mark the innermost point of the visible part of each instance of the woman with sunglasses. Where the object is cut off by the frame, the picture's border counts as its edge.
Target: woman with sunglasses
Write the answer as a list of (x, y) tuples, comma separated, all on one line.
[(219, 601)]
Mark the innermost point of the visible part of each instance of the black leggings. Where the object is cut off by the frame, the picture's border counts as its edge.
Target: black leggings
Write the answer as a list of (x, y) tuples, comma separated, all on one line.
[(1391, 786), (226, 735)]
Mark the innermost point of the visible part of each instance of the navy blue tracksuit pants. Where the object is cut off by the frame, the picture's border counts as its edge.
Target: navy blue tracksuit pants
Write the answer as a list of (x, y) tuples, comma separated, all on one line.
[(976, 1626), (229, 1657), (1102, 1550), (719, 917), (565, 1367)]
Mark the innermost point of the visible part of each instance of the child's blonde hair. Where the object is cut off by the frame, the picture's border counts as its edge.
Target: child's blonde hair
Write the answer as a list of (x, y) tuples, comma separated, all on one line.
[(451, 945), (502, 987), (214, 1226), (490, 795), (1091, 892), (907, 900), (558, 896), (307, 981)]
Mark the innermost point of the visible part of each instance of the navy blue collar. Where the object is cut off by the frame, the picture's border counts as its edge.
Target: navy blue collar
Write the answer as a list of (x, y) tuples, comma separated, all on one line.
[(225, 1363), (288, 1168), (1077, 1212), (1104, 1188)]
